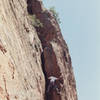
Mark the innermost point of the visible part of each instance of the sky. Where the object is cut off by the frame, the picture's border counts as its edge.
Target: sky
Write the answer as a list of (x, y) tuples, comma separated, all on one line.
[(80, 26)]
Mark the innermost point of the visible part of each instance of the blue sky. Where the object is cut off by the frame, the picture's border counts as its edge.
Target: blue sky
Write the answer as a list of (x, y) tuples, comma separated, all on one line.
[(80, 25)]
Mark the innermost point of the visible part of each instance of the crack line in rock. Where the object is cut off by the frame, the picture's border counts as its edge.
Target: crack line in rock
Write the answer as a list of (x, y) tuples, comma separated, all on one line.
[(7, 95)]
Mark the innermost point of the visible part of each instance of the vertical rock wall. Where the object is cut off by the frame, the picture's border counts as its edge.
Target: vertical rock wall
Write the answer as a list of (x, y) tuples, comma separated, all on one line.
[(21, 76), (29, 55), (57, 61)]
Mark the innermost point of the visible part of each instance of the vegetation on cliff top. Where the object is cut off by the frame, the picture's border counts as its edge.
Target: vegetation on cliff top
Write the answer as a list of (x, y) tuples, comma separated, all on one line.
[(55, 14)]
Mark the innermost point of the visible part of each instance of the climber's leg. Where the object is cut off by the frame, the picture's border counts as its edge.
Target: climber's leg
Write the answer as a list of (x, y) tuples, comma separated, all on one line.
[(49, 87), (56, 88)]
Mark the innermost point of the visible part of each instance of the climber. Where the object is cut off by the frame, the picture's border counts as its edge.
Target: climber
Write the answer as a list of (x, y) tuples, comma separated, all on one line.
[(52, 84)]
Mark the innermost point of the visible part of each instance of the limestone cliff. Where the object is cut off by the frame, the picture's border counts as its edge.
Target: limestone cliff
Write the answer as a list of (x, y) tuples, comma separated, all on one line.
[(30, 54)]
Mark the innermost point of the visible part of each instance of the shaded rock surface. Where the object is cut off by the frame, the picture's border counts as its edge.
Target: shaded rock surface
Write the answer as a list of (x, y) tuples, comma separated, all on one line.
[(29, 55)]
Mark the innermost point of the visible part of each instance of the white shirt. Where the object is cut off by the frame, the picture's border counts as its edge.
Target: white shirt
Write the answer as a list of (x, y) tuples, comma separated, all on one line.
[(52, 79)]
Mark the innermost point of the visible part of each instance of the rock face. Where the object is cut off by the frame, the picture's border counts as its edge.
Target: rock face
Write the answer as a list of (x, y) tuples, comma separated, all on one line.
[(30, 54)]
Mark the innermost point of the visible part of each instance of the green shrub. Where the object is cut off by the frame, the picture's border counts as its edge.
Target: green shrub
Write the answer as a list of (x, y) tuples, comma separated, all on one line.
[(35, 22), (55, 14)]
